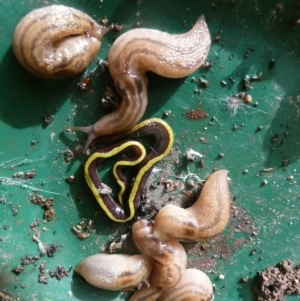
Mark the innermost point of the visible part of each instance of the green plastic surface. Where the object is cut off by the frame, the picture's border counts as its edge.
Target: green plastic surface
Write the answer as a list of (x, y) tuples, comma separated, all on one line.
[(246, 35)]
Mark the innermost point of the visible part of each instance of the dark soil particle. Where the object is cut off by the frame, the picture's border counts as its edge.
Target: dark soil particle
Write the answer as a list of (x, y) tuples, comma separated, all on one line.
[(274, 283), (196, 114), (43, 279), (30, 259), (17, 270), (225, 244), (51, 250), (60, 272)]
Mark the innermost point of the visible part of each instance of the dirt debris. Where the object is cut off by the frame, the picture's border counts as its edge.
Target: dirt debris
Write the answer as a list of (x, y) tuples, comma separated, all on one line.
[(60, 272), (274, 283), (196, 114), (223, 245)]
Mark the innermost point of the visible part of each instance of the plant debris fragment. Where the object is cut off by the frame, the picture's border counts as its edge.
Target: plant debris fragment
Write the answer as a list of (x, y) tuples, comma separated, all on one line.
[(83, 228)]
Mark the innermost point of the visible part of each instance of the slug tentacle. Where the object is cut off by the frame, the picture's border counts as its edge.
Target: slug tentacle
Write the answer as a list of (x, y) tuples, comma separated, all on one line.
[(57, 41), (141, 50), (206, 218)]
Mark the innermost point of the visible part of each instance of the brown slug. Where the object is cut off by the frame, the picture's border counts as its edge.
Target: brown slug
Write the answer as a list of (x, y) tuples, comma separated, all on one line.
[(169, 262), (57, 41), (194, 285), (115, 271), (138, 51), (204, 219)]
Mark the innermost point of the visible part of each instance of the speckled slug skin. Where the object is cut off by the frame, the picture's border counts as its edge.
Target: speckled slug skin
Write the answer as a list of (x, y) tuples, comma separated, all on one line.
[(206, 218), (57, 41)]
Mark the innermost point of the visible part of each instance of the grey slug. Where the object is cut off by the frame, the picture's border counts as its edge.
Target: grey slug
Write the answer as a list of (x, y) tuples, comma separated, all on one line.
[(133, 54), (57, 41)]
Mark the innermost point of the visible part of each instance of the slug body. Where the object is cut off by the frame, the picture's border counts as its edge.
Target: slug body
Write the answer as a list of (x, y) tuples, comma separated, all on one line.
[(57, 41), (144, 162), (115, 271), (138, 51), (194, 285), (169, 262), (206, 218)]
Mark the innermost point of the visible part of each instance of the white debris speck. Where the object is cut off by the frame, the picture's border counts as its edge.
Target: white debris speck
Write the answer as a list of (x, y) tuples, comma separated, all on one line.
[(52, 135), (156, 170), (105, 189), (192, 154)]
